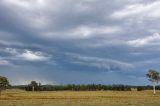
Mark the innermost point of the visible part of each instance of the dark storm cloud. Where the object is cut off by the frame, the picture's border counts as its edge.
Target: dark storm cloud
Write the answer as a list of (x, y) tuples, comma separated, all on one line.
[(45, 39)]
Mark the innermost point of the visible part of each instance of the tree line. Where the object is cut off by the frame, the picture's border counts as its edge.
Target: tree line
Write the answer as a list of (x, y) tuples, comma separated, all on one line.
[(88, 87), (73, 87), (152, 75)]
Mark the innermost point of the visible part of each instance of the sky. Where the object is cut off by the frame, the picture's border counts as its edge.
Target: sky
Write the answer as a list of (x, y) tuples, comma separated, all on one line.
[(79, 41)]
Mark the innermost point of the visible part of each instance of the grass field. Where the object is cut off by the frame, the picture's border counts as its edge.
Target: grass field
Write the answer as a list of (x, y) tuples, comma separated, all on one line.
[(81, 98)]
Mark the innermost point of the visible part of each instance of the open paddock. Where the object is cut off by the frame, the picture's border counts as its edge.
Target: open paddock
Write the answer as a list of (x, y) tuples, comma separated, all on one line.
[(79, 98)]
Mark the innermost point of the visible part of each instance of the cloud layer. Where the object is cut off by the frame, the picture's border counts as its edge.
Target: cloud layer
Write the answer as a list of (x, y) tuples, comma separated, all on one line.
[(86, 41)]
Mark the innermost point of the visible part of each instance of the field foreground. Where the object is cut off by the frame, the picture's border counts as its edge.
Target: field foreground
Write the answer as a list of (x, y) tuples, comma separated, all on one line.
[(79, 98)]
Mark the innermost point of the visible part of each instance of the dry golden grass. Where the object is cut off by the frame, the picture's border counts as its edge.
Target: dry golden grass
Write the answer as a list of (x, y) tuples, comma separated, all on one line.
[(81, 98)]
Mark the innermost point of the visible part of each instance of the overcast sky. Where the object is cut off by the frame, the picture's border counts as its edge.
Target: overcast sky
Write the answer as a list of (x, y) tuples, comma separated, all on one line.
[(79, 41)]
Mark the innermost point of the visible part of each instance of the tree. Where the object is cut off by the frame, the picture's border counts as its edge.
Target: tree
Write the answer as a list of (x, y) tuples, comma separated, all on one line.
[(34, 84), (4, 83), (154, 77)]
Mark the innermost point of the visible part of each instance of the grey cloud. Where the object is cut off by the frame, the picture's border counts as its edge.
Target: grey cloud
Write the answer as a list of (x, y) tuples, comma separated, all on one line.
[(42, 31), (147, 41), (100, 63), (139, 10), (43, 20), (27, 55), (4, 62)]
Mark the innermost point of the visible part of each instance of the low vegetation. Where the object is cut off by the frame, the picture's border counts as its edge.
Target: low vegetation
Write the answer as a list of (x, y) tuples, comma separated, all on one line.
[(80, 98), (35, 94)]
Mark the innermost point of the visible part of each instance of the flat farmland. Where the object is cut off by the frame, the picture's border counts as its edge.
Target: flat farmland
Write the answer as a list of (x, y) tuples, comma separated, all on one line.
[(79, 98)]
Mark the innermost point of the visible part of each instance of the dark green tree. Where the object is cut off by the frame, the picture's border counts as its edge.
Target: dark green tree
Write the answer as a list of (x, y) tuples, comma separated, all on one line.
[(4, 83), (34, 85), (154, 77)]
